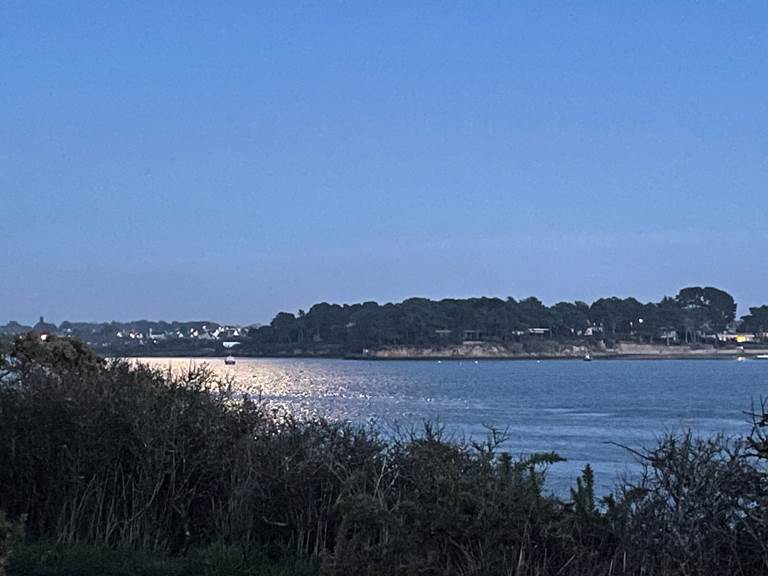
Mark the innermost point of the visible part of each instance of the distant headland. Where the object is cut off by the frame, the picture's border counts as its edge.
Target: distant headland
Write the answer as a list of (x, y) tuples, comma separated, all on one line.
[(697, 322)]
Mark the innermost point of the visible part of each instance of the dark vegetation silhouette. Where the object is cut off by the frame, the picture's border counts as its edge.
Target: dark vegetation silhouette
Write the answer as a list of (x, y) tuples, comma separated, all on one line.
[(114, 468), (694, 316)]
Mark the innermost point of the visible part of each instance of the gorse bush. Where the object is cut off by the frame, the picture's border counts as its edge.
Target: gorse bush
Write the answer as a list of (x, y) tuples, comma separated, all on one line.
[(120, 457), (10, 536), (46, 559)]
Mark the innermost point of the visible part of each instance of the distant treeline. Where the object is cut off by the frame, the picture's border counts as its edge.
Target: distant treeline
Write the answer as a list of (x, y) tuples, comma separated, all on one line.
[(109, 468), (693, 314)]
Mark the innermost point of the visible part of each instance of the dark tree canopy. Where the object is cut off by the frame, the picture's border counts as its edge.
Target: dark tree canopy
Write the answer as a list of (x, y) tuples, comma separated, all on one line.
[(710, 308), (694, 315), (694, 312), (757, 320)]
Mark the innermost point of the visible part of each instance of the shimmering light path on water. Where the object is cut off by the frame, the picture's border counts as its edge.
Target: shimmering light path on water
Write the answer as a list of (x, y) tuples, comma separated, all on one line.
[(575, 408)]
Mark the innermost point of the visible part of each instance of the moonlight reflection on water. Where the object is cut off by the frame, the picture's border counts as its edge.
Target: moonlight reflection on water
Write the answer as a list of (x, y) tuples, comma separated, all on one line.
[(574, 408)]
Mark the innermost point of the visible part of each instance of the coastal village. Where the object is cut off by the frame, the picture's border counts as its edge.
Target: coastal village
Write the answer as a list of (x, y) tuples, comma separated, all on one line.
[(135, 334)]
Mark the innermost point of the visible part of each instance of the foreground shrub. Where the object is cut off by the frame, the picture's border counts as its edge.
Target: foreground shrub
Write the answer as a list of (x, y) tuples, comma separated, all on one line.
[(44, 559), (10, 536), (120, 465), (700, 507), (86, 560)]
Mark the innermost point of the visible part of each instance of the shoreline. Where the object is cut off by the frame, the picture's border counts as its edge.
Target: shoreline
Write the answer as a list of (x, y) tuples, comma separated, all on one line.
[(606, 356)]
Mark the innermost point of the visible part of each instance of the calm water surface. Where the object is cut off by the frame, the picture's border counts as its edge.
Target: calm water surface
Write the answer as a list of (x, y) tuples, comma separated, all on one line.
[(572, 407)]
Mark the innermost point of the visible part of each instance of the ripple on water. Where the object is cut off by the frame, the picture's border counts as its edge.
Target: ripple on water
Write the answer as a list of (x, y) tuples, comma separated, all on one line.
[(574, 408)]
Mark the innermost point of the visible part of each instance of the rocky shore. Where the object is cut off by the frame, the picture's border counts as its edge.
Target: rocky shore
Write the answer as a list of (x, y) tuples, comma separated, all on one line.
[(625, 350)]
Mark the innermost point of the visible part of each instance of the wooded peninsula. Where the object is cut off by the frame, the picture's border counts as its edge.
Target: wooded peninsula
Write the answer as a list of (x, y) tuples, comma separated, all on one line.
[(698, 321)]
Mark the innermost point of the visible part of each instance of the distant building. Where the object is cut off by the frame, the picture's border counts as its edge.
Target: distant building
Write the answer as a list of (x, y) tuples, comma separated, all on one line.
[(443, 333), (736, 338), (593, 331), (226, 332), (539, 331), (472, 336), (667, 334)]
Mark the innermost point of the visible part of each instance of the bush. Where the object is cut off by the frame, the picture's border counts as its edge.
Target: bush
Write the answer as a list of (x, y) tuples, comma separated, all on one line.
[(85, 560), (701, 507), (44, 559), (10, 535), (130, 470)]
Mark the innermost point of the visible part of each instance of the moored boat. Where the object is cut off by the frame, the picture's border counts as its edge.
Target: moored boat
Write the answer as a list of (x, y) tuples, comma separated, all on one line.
[(229, 360)]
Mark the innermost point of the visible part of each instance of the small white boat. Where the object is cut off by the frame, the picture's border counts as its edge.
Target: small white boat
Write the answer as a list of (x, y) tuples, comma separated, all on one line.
[(587, 357), (761, 357), (229, 360)]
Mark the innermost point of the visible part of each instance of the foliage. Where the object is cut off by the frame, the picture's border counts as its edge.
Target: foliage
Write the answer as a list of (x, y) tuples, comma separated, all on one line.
[(757, 320), (119, 465), (758, 439), (711, 307), (47, 559), (10, 536), (422, 322), (522, 326), (701, 507), (43, 559)]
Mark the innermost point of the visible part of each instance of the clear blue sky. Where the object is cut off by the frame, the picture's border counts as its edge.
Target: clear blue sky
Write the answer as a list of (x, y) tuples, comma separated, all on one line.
[(182, 160)]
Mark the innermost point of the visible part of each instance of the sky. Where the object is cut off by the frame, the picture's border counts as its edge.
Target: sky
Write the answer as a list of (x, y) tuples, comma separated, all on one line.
[(190, 160)]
